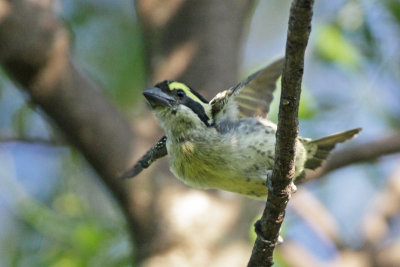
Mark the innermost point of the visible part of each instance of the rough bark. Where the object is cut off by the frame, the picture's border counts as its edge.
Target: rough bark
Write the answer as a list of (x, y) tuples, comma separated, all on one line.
[(279, 188)]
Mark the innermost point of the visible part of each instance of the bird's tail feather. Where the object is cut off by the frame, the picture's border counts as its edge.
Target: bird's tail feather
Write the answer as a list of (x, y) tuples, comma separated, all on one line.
[(319, 149)]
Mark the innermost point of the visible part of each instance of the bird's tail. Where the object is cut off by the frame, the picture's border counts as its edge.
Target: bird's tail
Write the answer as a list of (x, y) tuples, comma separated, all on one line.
[(319, 149)]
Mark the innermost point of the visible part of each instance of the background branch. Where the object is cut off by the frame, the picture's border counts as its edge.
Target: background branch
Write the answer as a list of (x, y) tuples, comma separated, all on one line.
[(33, 140), (364, 152), (279, 190), (34, 51)]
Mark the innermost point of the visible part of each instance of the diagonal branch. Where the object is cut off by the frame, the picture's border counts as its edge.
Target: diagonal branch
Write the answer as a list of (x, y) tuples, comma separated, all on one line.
[(33, 140), (34, 51), (280, 184), (358, 153)]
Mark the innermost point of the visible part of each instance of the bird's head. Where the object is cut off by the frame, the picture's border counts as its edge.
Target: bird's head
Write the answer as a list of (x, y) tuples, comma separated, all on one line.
[(177, 106)]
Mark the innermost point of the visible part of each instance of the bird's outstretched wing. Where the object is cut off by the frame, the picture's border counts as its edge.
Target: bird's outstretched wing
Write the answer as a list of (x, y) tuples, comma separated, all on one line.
[(252, 95), (159, 150)]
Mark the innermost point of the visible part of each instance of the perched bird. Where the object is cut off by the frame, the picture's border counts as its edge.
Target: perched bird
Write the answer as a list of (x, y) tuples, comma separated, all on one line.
[(226, 143)]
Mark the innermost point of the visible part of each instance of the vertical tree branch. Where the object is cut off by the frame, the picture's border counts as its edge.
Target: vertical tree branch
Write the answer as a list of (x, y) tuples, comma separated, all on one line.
[(279, 189)]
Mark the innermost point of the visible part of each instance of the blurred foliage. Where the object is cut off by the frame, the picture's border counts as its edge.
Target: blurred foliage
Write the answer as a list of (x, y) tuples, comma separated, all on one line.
[(77, 224), (108, 43), (332, 46), (68, 230), (307, 108), (393, 7)]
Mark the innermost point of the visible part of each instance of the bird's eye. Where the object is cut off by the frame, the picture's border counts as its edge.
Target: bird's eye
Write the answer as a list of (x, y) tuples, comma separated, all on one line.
[(180, 93)]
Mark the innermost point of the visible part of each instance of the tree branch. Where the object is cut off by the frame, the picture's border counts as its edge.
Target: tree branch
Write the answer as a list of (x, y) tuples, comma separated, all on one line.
[(280, 184), (356, 154), (33, 140), (34, 51)]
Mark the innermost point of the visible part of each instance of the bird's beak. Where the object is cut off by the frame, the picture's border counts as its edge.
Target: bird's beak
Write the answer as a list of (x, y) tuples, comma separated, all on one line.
[(158, 98)]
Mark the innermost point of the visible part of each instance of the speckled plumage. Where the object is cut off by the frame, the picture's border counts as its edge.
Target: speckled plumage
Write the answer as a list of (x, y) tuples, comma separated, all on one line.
[(225, 143), (232, 155)]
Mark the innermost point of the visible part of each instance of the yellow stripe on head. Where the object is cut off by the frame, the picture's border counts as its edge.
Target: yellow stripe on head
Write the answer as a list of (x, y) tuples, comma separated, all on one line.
[(186, 89), (194, 96)]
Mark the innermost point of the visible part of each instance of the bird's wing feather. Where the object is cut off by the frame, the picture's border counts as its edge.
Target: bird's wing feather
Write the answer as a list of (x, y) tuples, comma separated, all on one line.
[(252, 95), (159, 150)]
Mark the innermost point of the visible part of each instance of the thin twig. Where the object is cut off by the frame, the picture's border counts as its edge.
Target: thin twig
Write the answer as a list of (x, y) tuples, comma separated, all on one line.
[(33, 140), (279, 189)]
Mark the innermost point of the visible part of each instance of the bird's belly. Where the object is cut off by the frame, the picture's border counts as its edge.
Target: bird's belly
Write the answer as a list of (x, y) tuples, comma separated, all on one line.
[(227, 179), (234, 172), (240, 166)]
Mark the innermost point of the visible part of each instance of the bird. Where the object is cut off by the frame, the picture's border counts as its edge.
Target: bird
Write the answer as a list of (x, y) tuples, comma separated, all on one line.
[(226, 143)]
